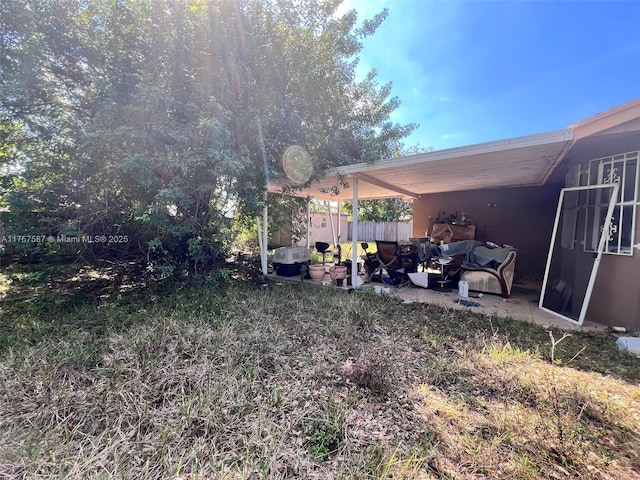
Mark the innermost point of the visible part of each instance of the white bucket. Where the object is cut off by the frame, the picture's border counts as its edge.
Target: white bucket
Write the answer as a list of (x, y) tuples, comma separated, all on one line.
[(463, 289)]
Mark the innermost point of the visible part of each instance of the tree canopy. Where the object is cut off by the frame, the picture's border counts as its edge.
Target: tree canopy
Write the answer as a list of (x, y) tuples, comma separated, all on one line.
[(381, 210), (147, 125)]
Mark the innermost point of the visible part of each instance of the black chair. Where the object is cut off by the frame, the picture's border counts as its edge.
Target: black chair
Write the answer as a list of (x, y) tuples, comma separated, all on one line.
[(371, 262), (322, 248), (397, 260)]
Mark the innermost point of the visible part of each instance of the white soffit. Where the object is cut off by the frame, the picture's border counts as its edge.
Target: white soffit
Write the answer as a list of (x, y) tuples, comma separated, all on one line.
[(521, 161)]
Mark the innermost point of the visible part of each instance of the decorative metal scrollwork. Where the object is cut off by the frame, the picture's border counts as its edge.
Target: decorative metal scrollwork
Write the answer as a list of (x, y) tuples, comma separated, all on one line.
[(612, 176), (613, 229)]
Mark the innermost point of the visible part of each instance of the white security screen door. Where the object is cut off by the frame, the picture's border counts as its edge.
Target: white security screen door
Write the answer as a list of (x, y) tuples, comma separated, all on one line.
[(583, 214)]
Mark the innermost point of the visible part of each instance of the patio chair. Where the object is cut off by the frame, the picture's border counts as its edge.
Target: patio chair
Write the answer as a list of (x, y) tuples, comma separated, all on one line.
[(397, 260)]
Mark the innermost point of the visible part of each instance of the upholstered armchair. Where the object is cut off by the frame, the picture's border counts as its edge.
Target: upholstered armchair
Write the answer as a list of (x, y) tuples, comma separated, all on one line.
[(491, 280)]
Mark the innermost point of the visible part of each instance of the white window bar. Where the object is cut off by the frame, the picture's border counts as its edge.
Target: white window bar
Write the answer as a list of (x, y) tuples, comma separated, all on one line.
[(624, 170)]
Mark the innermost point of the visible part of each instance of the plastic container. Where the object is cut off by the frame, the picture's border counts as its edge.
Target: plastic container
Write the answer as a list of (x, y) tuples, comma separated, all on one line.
[(291, 255), (288, 269), (629, 344), (463, 289)]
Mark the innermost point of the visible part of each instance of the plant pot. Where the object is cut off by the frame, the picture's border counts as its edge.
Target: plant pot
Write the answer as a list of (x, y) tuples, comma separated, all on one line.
[(349, 265), (338, 271), (316, 272)]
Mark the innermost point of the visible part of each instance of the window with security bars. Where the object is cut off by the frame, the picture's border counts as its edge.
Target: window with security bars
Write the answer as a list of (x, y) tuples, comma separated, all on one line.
[(623, 170)]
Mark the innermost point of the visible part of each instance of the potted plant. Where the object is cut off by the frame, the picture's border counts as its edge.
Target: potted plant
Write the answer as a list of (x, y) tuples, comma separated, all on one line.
[(317, 272), (338, 272)]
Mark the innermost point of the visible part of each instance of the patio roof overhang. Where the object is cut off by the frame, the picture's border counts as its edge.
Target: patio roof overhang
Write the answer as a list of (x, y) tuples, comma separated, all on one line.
[(515, 162)]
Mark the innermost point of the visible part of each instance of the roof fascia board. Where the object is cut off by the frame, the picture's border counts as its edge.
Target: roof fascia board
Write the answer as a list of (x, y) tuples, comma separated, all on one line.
[(479, 148), (607, 119)]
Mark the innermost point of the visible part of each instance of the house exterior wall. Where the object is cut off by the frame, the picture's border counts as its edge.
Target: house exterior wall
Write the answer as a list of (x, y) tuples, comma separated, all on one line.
[(522, 217), (320, 230), (615, 299)]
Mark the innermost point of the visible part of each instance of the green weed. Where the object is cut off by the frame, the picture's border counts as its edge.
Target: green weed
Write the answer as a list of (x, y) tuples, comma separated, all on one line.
[(325, 435)]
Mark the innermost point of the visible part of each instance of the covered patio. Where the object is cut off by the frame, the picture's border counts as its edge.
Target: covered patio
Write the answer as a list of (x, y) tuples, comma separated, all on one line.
[(518, 162), (524, 161), (511, 187)]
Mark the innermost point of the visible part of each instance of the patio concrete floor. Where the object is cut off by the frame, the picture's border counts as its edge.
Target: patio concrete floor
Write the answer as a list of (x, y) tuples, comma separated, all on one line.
[(521, 305)]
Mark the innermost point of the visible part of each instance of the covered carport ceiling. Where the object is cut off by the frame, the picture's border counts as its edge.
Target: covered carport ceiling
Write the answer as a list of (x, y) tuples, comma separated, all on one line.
[(521, 161)]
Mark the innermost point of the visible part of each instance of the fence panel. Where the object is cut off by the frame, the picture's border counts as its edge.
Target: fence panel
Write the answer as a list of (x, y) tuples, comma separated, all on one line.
[(390, 231)]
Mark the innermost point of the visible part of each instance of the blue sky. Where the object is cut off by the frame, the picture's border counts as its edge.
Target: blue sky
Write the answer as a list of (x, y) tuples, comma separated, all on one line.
[(476, 71)]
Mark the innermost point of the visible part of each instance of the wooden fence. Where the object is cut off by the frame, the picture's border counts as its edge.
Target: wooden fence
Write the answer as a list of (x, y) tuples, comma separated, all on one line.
[(391, 231)]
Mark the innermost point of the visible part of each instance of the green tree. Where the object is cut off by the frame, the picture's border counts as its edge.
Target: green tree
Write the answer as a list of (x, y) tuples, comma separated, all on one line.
[(382, 210), (157, 121)]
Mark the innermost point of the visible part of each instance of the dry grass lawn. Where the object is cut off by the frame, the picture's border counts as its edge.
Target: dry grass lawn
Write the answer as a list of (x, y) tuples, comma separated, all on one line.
[(288, 381)]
